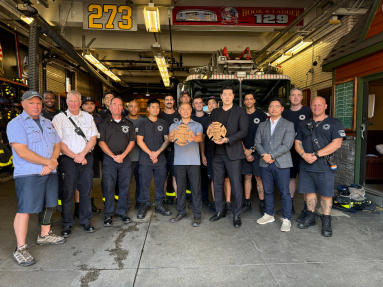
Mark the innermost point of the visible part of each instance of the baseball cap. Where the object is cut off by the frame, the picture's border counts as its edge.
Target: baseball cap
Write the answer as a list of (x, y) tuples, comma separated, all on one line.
[(185, 92), (87, 99), (211, 98), (30, 94)]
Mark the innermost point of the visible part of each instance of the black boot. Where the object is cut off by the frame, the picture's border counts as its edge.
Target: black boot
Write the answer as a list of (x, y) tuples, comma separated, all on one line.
[(76, 210), (262, 207), (94, 207), (303, 213), (308, 221), (161, 209), (326, 225), (246, 205), (142, 210)]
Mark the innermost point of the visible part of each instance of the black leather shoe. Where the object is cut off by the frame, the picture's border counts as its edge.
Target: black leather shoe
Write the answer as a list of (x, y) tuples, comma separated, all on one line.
[(124, 219), (228, 207), (179, 217), (246, 206), (170, 200), (206, 202), (326, 225), (237, 221), (66, 231), (108, 221), (142, 210), (161, 209), (196, 222), (308, 221), (218, 216), (87, 227), (95, 209)]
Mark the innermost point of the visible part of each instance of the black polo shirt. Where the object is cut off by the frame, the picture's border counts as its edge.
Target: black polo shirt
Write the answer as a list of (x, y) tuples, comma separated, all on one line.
[(117, 135), (296, 117), (170, 119), (209, 145), (325, 132), (48, 114), (254, 120), (153, 133)]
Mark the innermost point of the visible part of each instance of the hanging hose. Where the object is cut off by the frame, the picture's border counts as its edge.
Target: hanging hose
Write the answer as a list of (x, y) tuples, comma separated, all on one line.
[(34, 56)]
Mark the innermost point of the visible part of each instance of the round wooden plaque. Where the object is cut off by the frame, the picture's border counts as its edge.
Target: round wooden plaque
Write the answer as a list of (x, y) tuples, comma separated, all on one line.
[(216, 131), (183, 135)]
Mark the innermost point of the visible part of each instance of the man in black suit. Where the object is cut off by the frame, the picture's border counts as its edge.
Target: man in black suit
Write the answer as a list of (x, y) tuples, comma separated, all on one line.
[(228, 154)]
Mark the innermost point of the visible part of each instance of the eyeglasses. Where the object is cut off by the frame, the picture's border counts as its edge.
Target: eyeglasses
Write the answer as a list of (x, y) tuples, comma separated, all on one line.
[(277, 107)]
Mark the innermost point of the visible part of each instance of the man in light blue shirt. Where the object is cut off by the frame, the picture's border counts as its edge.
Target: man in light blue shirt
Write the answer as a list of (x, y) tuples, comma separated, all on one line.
[(35, 147), (187, 164)]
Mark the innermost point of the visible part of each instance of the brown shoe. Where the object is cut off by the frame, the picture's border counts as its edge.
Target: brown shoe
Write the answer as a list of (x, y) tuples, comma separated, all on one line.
[(196, 222)]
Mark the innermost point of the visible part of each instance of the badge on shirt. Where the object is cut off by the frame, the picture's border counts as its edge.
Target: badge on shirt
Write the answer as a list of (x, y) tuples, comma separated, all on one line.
[(302, 117), (160, 128), (326, 126), (342, 133), (175, 120), (125, 129), (136, 130), (256, 121)]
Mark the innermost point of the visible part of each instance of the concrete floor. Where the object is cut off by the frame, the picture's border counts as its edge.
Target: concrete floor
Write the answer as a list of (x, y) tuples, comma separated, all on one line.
[(154, 252)]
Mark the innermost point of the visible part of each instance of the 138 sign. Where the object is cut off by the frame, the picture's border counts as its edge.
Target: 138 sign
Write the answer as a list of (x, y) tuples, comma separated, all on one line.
[(108, 17)]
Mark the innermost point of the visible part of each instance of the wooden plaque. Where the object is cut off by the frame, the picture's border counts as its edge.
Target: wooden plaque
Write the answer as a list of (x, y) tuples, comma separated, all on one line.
[(183, 135), (216, 131)]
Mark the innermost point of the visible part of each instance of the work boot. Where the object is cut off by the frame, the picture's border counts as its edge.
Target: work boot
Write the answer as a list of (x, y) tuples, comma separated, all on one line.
[(108, 221), (125, 219), (303, 213), (326, 225), (142, 210), (262, 207), (308, 221), (76, 210), (95, 209), (161, 209), (246, 206)]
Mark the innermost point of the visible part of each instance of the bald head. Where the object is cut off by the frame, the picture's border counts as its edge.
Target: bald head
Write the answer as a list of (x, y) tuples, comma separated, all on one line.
[(318, 106)]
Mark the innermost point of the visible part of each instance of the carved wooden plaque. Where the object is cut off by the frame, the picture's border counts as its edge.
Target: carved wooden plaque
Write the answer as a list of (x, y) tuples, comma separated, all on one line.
[(183, 135), (216, 131)]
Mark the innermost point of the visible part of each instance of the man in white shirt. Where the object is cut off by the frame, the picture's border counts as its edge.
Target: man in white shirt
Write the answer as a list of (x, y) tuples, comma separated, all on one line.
[(78, 133)]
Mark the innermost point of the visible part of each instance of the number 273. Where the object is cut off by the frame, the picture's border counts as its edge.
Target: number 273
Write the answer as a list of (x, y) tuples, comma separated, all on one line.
[(126, 18)]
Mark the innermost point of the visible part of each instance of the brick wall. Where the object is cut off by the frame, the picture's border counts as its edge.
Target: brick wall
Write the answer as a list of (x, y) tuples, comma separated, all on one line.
[(345, 159)]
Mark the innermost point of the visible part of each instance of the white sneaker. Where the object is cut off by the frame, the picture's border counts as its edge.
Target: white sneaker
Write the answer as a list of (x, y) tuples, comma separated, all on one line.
[(286, 224), (266, 219)]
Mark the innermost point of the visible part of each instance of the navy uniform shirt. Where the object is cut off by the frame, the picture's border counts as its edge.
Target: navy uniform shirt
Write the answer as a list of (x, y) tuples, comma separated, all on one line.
[(170, 119), (199, 119), (117, 135), (153, 133), (296, 117), (325, 132), (254, 120)]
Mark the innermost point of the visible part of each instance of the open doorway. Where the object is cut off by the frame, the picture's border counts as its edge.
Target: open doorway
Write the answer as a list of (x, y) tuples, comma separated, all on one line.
[(326, 94), (373, 126)]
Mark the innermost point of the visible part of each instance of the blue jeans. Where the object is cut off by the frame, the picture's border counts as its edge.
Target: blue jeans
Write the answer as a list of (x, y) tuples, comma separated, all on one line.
[(146, 172), (110, 170), (271, 175)]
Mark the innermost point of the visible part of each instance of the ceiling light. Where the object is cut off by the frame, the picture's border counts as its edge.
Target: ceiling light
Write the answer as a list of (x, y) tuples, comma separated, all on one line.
[(27, 20), (281, 59), (101, 67), (299, 47), (161, 63), (152, 18)]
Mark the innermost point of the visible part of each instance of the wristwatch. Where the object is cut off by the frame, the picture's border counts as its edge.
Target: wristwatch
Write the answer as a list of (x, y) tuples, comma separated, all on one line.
[(317, 155), (252, 149)]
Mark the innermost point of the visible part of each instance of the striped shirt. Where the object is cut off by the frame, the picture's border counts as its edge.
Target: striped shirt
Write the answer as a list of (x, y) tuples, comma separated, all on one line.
[(24, 130)]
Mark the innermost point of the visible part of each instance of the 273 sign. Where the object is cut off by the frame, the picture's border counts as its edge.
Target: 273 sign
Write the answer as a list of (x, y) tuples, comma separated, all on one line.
[(109, 17)]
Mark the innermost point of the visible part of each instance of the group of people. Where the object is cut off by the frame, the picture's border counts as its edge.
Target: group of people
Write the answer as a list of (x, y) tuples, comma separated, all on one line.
[(60, 151)]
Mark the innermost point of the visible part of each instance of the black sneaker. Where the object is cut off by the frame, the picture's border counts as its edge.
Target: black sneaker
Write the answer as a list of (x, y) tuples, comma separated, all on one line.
[(228, 207), (308, 221), (161, 209), (142, 210), (262, 207), (326, 225), (246, 206), (108, 221), (67, 230), (124, 219), (303, 214), (95, 209), (87, 227)]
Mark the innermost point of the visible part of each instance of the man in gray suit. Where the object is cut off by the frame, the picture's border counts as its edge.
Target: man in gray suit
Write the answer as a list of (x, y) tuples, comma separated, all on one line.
[(273, 141)]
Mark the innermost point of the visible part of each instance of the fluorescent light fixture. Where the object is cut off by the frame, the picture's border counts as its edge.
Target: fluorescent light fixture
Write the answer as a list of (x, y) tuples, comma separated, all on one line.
[(27, 20), (281, 59), (152, 18), (101, 67), (299, 47), (161, 63)]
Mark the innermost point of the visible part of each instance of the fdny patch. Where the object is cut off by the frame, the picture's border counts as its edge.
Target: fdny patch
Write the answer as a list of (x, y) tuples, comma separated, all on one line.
[(136, 130), (342, 133), (326, 127), (125, 129), (256, 121), (160, 128), (302, 117), (176, 120)]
